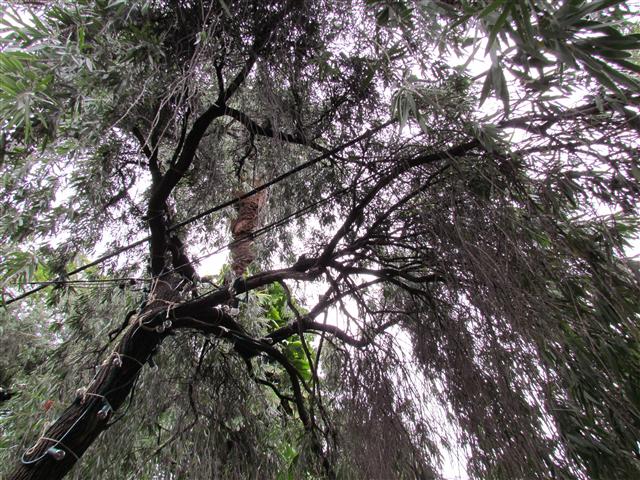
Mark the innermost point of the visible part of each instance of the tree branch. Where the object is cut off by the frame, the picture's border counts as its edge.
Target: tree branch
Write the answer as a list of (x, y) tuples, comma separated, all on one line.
[(401, 168), (150, 149), (257, 129), (182, 161)]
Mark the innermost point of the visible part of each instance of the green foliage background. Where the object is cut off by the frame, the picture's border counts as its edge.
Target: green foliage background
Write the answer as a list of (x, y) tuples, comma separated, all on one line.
[(529, 344)]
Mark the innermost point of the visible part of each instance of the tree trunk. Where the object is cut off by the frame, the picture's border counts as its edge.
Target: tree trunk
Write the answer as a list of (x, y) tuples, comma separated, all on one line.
[(81, 422), (246, 221), (93, 409), (91, 413)]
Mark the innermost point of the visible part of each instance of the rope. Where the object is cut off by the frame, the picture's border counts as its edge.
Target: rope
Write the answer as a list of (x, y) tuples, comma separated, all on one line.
[(282, 221), (117, 356), (57, 443)]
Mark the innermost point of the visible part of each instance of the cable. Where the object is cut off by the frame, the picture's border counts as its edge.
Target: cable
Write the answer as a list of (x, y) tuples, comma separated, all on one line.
[(255, 234), (86, 281), (209, 211), (279, 178), (107, 407), (97, 261), (57, 442), (282, 221)]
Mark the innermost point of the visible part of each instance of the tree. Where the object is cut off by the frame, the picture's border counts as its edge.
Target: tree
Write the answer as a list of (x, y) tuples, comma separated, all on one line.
[(468, 232)]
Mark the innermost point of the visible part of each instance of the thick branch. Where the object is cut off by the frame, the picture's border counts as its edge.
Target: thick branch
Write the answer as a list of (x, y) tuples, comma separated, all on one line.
[(90, 414), (93, 410), (401, 168), (267, 131), (179, 259), (306, 325), (386, 273), (150, 149), (163, 188), (242, 285)]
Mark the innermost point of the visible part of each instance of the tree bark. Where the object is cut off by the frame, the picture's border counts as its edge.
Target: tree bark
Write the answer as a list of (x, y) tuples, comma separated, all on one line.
[(80, 424), (247, 219), (93, 409)]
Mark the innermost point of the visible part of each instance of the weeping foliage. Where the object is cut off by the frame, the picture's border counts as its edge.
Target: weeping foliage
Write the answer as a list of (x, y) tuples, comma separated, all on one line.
[(439, 271)]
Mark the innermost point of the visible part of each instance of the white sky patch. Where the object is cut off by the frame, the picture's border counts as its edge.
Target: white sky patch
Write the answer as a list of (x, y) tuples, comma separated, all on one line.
[(213, 264)]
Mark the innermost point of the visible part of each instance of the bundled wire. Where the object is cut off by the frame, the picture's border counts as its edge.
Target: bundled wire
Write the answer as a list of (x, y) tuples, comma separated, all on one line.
[(252, 235), (207, 212)]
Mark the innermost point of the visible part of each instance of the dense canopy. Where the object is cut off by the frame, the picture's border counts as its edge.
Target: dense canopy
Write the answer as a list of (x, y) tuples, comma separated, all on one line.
[(319, 239)]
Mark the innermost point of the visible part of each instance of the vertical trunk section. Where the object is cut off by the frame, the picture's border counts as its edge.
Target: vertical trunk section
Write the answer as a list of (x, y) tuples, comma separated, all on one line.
[(245, 223), (95, 408)]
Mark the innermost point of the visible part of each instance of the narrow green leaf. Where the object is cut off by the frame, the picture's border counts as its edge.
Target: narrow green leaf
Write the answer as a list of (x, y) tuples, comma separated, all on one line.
[(487, 87), (490, 8), (502, 19), (613, 54), (634, 67)]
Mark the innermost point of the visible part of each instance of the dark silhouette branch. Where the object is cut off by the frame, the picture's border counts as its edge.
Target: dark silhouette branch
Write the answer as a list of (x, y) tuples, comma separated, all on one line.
[(149, 146), (267, 131), (261, 40), (187, 148), (183, 134), (92, 412), (401, 168)]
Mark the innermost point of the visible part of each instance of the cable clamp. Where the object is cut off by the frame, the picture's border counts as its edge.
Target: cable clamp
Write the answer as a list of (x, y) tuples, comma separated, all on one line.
[(166, 325), (105, 411)]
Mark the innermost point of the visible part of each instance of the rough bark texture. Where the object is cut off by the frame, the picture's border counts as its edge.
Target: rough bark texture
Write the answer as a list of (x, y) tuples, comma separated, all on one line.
[(247, 220), (80, 424)]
